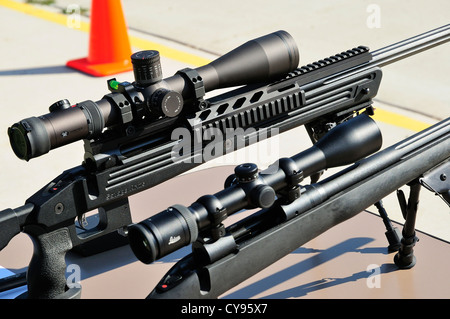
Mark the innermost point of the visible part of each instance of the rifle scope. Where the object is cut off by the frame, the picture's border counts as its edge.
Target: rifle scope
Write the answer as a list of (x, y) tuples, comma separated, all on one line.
[(178, 226), (151, 97)]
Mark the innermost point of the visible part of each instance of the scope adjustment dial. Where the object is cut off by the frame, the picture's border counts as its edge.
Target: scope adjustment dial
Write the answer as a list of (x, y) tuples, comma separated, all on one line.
[(146, 67), (166, 102)]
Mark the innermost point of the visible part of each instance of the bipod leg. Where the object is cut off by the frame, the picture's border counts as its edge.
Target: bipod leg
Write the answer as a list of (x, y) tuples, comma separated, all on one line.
[(405, 258), (392, 233)]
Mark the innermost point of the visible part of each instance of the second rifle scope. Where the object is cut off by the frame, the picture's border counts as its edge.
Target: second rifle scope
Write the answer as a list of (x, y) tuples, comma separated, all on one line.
[(178, 226), (257, 61)]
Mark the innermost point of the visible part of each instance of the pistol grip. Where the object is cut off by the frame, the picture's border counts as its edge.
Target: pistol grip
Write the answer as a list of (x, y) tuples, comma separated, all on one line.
[(46, 272)]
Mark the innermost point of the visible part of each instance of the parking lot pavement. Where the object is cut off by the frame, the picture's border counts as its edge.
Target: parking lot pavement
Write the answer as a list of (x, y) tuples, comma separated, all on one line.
[(320, 28), (35, 49)]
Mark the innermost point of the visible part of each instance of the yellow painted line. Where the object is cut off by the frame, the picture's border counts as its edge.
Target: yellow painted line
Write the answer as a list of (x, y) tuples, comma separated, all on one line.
[(41, 13), (191, 59), (168, 52), (136, 42), (399, 120)]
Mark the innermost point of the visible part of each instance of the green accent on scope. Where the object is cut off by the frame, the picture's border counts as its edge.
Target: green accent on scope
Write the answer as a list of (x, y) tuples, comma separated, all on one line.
[(114, 84)]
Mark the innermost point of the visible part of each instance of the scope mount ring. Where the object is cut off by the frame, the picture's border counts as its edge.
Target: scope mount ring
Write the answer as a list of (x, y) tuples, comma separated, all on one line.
[(197, 86)]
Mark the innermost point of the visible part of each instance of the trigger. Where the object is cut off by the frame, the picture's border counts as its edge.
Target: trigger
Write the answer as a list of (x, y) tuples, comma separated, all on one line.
[(82, 221)]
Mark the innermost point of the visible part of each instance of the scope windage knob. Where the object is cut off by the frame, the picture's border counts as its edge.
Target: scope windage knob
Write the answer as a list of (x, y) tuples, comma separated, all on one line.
[(146, 67)]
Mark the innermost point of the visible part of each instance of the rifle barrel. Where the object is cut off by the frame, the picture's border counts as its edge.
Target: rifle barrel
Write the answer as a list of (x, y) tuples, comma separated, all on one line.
[(411, 46), (392, 53)]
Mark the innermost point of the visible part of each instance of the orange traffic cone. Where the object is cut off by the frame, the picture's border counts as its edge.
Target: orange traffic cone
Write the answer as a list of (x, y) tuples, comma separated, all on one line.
[(109, 46)]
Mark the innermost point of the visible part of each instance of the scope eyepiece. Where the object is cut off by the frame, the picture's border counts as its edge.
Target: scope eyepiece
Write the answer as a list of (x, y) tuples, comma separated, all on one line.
[(163, 233), (35, 136), (29, 138)]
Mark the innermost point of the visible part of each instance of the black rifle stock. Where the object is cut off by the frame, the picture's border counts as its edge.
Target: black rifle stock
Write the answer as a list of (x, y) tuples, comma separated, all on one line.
[(129, 147)]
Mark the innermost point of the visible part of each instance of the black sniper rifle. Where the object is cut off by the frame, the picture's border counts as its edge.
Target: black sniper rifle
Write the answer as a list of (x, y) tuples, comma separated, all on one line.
[(222, 258), (129, 148)]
